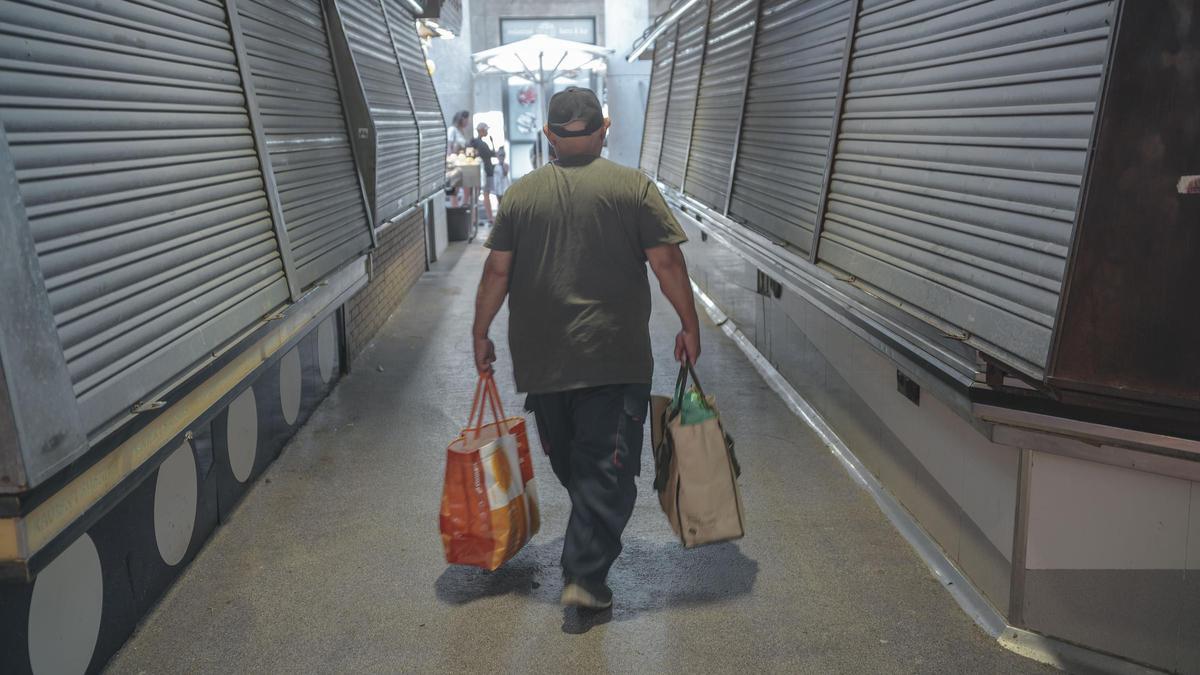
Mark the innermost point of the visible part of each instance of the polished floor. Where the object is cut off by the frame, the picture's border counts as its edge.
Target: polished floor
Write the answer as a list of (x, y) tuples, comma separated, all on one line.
[(333, 564)]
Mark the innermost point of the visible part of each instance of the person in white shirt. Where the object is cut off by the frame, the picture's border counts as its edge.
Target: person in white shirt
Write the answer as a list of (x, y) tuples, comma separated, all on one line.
[(456, 133), (456, 142)]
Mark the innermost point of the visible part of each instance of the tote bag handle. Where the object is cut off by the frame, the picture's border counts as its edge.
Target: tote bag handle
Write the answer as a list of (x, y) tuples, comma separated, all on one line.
[(486, 396)]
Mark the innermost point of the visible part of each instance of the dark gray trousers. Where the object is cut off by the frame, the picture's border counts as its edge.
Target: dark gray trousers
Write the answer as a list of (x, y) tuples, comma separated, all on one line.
[(594, 439)]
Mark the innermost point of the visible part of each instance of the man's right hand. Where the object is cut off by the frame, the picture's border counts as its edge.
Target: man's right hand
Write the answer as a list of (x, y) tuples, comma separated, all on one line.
[(687, 345), (485, 355)]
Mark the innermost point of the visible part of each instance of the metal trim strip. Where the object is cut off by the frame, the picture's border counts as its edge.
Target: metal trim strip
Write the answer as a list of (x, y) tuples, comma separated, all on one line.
[(687, 151), (814, 284), (667, 102), (44, 523), (45, 399), (412, 105), (1031, 645), (1020, 546), (343, 59), (260, 146), (737, 136), (839, 107), (948, 575), (1099, 434)]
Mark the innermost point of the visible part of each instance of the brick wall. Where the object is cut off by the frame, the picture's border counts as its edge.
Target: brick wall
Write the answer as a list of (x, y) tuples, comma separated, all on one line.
[(396, 265)]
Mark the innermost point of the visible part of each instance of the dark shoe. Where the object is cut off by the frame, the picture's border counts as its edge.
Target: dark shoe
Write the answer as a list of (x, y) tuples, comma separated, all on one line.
[(575, 595)]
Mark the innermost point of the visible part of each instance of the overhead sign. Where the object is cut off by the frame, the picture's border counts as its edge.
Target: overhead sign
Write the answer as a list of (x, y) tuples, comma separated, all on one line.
[(576, 29)]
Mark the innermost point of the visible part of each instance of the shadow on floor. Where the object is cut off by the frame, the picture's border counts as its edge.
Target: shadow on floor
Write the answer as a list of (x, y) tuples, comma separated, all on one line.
[(649, 576)]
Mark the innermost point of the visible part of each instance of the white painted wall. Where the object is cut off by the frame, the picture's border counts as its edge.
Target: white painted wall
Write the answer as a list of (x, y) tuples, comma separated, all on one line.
[(979, 475), (1089, 516), (626, 83)]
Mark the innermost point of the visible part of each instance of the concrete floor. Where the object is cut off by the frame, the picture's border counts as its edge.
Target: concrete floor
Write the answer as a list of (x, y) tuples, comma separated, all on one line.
[(333, 562)]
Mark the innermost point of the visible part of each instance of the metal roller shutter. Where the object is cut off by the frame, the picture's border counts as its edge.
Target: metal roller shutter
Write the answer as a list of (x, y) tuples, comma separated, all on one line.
[(789, 118), (396, 185), (424, 97), (681, 103), (656, 101), (959, 161), (301, 112), (719, 100), (139, 174), (451, 16)]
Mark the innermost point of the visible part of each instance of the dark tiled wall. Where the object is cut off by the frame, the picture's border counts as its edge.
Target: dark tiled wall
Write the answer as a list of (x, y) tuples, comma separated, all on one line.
[(396, 265)]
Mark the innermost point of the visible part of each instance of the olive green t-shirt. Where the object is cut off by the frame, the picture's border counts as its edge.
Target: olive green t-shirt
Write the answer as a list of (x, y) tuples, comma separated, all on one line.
[(579, 293)]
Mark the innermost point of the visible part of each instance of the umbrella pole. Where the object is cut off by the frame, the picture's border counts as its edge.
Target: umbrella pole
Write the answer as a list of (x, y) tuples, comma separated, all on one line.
[(542, 103)]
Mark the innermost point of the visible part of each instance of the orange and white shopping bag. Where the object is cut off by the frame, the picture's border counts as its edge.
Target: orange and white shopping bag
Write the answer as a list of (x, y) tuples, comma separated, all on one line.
[(489, 500)]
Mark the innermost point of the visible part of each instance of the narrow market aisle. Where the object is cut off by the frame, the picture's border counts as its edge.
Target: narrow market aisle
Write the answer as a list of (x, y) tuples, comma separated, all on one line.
[(333, 562)]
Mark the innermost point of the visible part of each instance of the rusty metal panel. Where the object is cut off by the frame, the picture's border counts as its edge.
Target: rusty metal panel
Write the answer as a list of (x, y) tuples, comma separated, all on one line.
[(301, 111), (681, 105), (959, 161), (730, 41), (656, 102), (143, 189), (789, 117), (1129, 325)]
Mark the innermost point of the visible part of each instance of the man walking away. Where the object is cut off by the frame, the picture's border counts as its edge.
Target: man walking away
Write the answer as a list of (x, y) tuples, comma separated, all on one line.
[(485, 152), (569, 249)]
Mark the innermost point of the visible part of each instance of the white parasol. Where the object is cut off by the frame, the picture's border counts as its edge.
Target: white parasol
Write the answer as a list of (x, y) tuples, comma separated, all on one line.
[(539, 59)]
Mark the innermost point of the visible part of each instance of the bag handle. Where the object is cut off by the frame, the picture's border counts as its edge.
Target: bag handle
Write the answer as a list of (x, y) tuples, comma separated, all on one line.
[(485, 392), (476, 401), (686, 369), (491, 382)]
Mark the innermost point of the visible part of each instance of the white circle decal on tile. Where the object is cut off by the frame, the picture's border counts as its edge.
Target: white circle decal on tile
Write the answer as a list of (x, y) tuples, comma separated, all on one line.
[(241, 431), (175, 494), (64, 613), (327, 349), (290, 385)]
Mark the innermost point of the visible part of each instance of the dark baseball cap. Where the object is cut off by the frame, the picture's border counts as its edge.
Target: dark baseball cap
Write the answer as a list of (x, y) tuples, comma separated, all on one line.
[(575, 104)]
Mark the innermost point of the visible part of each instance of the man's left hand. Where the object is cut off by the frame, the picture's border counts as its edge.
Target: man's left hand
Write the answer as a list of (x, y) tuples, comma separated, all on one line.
[(485, 354)]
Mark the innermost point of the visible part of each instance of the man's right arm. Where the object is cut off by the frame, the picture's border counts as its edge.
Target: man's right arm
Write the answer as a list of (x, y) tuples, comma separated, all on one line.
[(671, 269)]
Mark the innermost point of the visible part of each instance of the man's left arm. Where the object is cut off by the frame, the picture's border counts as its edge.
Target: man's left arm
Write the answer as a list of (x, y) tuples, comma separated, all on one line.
[(493, 288)]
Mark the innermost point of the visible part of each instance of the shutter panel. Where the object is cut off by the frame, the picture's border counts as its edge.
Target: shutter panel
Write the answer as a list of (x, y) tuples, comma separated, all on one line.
[(719, 100), (959, 160), (397, 158), (656, 102), (139, 174), (451, 16), (424, 98), (790, 102), (301, 112), (681, 106)]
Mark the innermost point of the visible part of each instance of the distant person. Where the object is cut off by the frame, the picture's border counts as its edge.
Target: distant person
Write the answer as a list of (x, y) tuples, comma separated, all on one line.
[(486, 152), (456, 142), (569, 250), (456, 133), (503, 178)]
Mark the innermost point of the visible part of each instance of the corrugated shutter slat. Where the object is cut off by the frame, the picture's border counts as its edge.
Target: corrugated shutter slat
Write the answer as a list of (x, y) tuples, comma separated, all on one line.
[(656, 102), (789, 117), (681, 106), (301, 112), (424, 97), (138, 169), (960, 158), (730, 37), (397, 156)]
